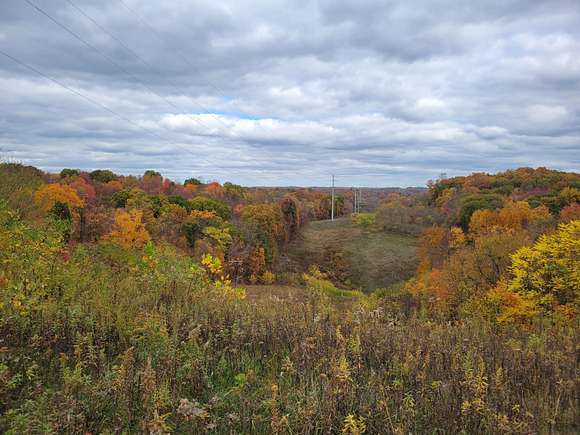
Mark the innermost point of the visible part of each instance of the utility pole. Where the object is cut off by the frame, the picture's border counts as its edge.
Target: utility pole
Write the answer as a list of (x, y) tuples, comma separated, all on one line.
[(332, 202), (354, 209)]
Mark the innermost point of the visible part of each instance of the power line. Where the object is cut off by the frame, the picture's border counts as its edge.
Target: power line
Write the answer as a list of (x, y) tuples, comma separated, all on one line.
[(96, 103), (163, 39), (143, 61), (121, 68), (115, 63)]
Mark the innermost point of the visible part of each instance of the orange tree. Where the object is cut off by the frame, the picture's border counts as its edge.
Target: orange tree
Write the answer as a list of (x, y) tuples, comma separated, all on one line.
[(129, 230)]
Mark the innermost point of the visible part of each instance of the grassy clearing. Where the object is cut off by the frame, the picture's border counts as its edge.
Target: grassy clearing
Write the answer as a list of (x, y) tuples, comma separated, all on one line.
[(365, 258)]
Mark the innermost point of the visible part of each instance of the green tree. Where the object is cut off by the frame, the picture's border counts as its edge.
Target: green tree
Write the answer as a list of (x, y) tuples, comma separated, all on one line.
[(202, 203)]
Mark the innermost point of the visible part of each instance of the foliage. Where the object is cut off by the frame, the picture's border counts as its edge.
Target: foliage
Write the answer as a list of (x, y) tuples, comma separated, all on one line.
[(202, 203), (50, 195), (264, 227), (364, 220), (549, 271), (129, 231), (17, 186), (472, 203), (193, 181), (103, 175), (69, 173)]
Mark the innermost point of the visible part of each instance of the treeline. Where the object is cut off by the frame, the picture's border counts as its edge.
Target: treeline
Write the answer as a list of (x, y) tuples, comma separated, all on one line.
[(244, 228)]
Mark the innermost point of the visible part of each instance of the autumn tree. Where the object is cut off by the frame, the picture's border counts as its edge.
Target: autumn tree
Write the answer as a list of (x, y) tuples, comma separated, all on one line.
[(202, 203), (570, 212), (192, 181), (57, 198), (290, 215), (549, 271), (214, 190), (129, 230), (264, 227), (152, 182), (69, 173)]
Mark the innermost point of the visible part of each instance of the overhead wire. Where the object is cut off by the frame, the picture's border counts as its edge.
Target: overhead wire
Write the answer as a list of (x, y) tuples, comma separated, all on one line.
[(102, 106), (124, 70), (115, 63)]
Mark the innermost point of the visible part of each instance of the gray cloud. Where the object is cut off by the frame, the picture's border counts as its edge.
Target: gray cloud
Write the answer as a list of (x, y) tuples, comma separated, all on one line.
[(288, 92)]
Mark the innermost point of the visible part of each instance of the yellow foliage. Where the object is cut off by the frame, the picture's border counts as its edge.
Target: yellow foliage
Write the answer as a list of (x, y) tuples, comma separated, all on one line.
[(513, 307), (268, 278), (570, 195), (49, 194), (549, 271), (354, 426), (129, 230), (202, 214), (456, 238)]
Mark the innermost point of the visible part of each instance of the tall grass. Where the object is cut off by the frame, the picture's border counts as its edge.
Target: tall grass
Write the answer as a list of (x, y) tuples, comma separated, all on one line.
[(102, 340)]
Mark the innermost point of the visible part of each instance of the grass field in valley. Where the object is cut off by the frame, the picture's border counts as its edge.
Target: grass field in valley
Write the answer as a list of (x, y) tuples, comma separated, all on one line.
[(364, 258)]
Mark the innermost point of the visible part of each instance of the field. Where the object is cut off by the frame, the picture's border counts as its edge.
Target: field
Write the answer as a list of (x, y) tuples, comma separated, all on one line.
[(363, 258)]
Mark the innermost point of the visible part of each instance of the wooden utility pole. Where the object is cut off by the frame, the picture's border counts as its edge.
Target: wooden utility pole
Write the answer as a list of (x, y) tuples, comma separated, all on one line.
[(332, 201)]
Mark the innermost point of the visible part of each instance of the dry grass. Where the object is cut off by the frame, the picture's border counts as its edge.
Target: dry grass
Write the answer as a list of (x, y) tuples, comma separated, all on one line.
[(275, 293)]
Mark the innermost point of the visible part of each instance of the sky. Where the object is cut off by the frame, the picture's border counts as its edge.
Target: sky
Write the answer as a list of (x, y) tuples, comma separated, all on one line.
[(379, 93)]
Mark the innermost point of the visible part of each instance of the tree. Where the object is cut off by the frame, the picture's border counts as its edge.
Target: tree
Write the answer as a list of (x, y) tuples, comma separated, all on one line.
[(129, 230), (69, 173), (102, 175), (214, 190), (196, 222), (549, 271), (570, 212), (201, 203), (290, 215), (264, 227), (48, 195), (152, 182), (234, 192), (471, 203), (193, 181), (151, 173)]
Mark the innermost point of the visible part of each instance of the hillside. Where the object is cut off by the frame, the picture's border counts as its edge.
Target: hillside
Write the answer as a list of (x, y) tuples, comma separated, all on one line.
[(368, 259)]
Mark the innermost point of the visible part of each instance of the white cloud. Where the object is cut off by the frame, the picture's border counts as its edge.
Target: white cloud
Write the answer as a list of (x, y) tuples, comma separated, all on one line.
[(275, 93)]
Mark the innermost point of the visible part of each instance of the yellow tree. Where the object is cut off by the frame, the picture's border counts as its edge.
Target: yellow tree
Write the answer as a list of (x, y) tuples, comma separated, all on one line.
[(50, 194), (549, 271), (129, 230)]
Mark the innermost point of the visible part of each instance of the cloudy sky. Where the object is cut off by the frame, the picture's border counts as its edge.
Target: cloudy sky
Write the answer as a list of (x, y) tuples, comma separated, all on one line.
[(276, 92)]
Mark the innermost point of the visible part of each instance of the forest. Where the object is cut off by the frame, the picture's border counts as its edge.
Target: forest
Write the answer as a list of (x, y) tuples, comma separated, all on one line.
[(138, 304)]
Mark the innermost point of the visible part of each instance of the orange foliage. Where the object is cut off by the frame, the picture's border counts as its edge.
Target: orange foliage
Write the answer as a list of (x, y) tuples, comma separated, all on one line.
[(214, 190), (570, 213), (432, 247), (129, 230), (512, 307), (514, 215), (49, 194)]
